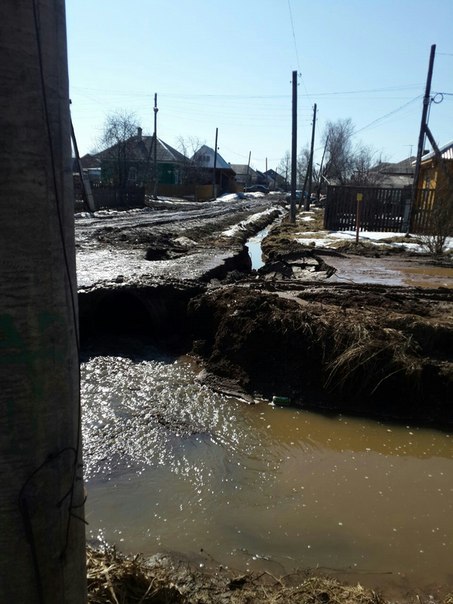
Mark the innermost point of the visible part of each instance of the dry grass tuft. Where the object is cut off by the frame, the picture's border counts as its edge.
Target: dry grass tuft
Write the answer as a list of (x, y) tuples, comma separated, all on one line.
[(361, 348), (116, 579)]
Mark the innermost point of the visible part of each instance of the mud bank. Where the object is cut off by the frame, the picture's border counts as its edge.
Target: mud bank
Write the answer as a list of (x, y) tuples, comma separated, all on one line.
[(182, 278), (364, 349), (116, 578)]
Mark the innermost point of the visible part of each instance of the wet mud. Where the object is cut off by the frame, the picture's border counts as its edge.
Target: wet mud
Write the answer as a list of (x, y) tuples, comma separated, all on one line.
[(291, 329)]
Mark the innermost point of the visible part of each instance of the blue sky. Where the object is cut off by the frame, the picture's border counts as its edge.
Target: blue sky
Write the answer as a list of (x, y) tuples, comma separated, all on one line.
[(227, 64)]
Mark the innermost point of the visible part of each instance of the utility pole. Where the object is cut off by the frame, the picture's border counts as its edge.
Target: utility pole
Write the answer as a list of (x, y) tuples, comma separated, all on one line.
[(310, 163), (321, 167), (423, 131), (248, 170), (292, 213), (42, 531), (214, 195), (156, 177), (84, 180)]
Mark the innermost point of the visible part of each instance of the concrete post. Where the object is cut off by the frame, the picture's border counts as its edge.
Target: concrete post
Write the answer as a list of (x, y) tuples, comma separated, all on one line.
[(42, 543)]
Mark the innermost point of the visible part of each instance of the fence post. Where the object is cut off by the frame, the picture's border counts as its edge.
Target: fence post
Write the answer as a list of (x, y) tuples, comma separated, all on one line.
[(357, 217), (407, 214)]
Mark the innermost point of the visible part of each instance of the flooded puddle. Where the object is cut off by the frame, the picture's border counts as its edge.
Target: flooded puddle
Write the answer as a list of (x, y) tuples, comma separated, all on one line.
[(173, 466), (389, 271)]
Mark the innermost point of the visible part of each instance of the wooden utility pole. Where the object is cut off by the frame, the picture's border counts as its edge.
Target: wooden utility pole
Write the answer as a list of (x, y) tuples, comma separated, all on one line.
[(310, 163), (42, 532), (423, 131), (214, 193), (156, 176), (292, 213), (248, 170), (84, 180)]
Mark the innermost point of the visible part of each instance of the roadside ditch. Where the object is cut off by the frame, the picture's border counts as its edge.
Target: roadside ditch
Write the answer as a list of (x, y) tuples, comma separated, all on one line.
[(285, 331)]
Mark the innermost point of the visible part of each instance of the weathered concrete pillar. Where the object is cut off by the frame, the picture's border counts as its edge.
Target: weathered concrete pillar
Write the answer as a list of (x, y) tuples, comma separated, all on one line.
[(42, 543)]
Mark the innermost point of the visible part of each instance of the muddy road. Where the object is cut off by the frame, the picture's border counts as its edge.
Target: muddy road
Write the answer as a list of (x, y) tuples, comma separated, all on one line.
[(180, 274), (181, 241)]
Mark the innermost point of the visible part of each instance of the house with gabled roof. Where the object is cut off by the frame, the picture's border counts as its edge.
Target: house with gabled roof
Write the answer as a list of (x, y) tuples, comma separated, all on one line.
[(245, 175), (214, 169), (276, 180), (395, 175), (138, 164)]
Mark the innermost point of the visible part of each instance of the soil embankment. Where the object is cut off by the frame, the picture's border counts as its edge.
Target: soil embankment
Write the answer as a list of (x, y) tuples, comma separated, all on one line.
[(372, 349), (363, 349)]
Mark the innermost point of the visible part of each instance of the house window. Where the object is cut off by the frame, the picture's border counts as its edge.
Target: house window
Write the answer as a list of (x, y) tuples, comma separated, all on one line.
[(132, 176)]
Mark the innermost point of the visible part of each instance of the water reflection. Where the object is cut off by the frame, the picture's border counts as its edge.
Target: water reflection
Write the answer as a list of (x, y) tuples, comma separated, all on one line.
[(173, 466), (254, 247)]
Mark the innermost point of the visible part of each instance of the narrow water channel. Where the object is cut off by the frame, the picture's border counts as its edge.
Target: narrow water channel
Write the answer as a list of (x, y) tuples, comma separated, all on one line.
[(172, 466), (254, 247)]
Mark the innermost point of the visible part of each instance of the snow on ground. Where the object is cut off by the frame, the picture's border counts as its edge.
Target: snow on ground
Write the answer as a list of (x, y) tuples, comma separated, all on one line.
[(237, 228), (236, 196), (328, 238)]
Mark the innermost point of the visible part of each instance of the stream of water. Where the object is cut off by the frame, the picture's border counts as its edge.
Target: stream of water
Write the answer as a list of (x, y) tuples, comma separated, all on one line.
[(173, 466)]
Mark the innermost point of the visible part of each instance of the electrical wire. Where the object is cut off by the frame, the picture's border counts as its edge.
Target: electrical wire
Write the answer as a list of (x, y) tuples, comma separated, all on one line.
[(294, 35), (390, 113)]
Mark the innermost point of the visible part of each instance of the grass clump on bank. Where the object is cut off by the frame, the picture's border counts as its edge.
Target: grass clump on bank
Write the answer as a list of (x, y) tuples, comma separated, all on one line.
[(117, 579)]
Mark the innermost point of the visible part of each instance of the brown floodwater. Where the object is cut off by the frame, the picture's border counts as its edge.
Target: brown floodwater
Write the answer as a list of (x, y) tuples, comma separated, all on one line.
[(390, 271), (172, 466)]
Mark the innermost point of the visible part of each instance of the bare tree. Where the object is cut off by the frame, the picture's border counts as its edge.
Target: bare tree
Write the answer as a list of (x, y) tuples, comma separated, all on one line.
[(189, 145), (192, 172), (303, 161), (348, 163), (364, 172), (118, 137), (284, 167), (339, 150)]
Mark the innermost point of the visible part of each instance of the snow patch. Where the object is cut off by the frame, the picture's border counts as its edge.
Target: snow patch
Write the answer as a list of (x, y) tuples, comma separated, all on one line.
[(237, 228)]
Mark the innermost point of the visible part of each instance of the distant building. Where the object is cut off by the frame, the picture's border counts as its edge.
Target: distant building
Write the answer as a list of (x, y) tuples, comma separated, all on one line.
[(204, 159), (395, 175), (276, 180), (138, 162)]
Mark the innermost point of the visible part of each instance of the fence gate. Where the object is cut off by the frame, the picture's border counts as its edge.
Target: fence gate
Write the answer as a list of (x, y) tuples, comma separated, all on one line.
[(381, 209)]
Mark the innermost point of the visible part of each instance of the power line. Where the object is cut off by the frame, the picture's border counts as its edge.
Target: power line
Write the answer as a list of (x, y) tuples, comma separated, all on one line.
[(294, 35), (131, 93), (379, 119)]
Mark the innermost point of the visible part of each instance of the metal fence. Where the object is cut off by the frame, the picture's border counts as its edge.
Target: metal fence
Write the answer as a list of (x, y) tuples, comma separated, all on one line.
[(112, 197), (377, 209)]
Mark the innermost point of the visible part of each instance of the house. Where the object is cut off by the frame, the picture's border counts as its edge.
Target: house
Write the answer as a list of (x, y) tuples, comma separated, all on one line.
[(395, 175), (276, 180), (436, 170), (245, 175), (133, 162), (222, 175)]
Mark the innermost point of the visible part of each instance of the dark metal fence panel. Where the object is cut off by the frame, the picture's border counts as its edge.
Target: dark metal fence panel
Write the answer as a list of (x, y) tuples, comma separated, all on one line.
[(380, 209), (112, 197)]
